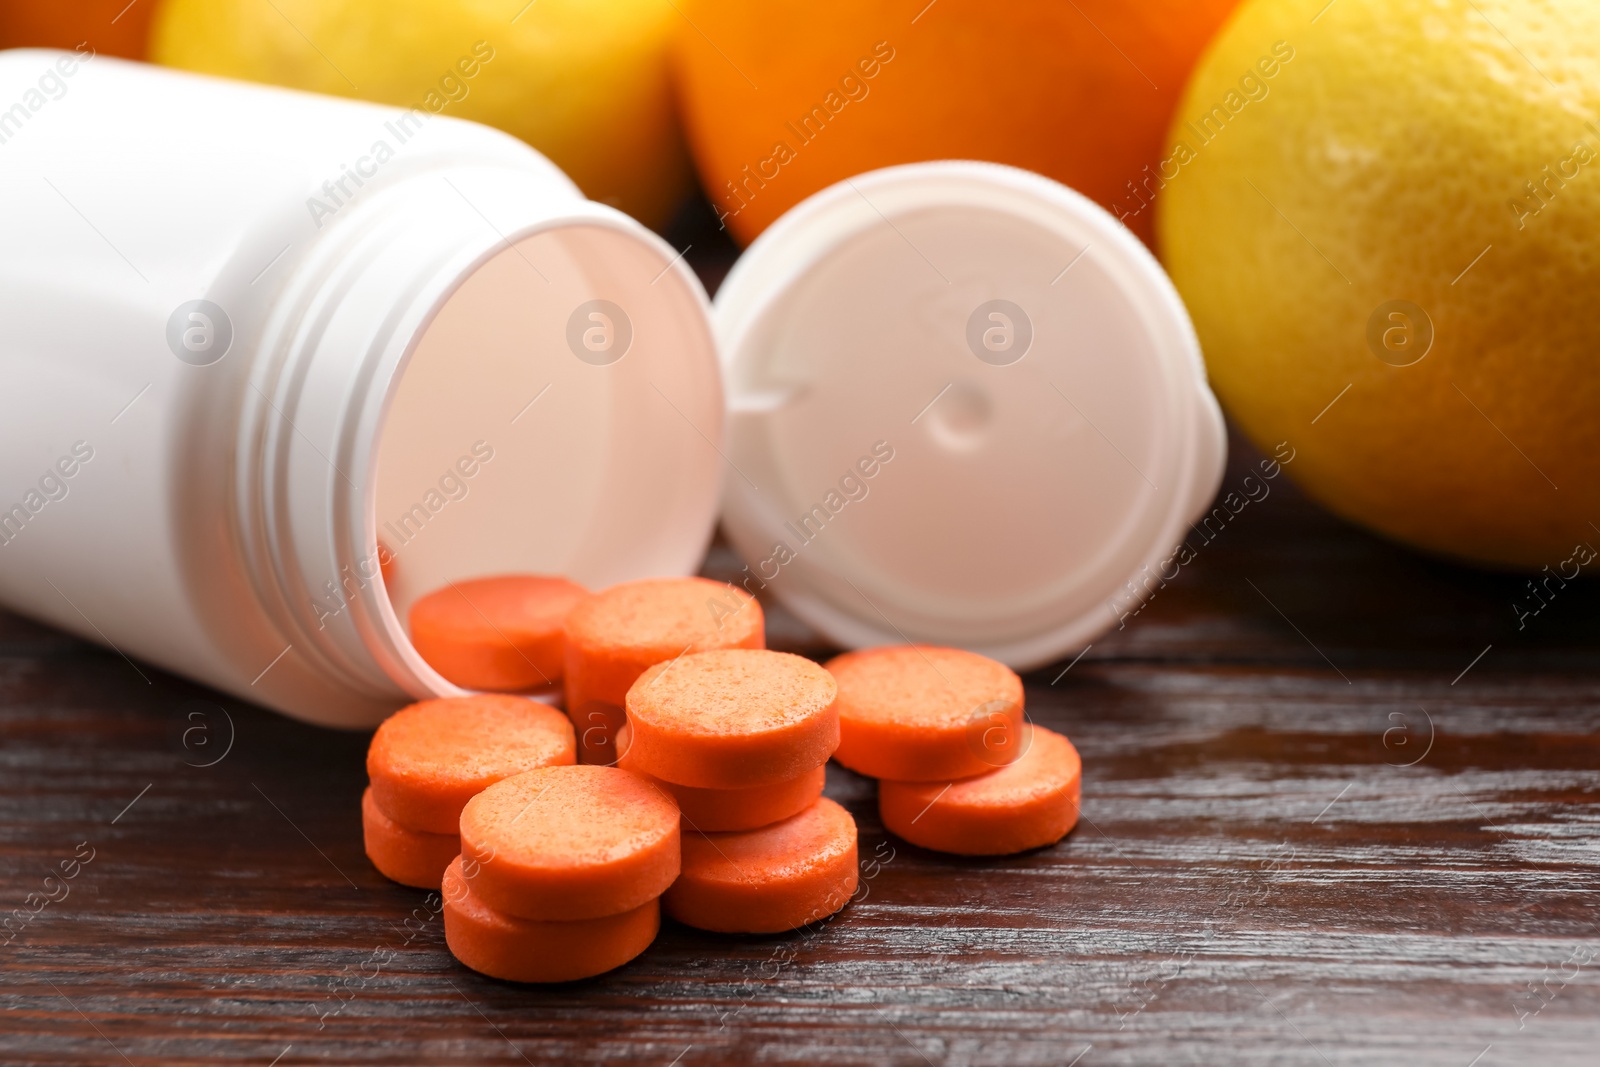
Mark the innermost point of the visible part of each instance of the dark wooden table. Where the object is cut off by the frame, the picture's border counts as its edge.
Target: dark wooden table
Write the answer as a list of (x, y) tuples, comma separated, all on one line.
[(1338, 809)]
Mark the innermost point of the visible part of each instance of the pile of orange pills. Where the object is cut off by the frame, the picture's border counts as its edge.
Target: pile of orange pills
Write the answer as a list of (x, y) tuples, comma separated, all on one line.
[(687, 774)]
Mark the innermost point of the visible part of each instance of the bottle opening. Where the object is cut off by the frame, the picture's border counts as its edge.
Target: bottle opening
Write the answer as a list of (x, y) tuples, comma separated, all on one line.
[(556, 417)]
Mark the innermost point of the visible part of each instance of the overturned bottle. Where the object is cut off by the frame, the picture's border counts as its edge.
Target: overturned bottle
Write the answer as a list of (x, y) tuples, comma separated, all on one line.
[(276, 365)]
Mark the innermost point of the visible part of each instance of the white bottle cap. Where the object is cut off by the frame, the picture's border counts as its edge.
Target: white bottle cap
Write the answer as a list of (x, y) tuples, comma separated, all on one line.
[(967, 408)]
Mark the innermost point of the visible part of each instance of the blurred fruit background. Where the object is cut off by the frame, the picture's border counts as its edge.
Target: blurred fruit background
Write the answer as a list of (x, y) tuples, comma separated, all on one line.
[(1384, 215), (584, 81), (110, 27), (1404, 223), (787, 97)]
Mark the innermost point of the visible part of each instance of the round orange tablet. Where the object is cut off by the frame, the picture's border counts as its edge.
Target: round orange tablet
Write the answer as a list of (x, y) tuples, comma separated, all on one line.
[(1028, 804), (502, 633), (916, 713), (405, 856), (427, 760), (780, 877), (715, 810), (613, 636), (570, 843), (732, 719), (526, 950)]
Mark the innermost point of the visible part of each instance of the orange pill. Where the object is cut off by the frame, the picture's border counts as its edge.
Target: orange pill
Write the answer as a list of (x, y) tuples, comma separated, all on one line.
[(917, 713), (732, 719), (713, 810), (1029, 803), (779, 877), (386, 563), (615, 635), (570, 843), (526, 950), (405, 856), (501, 634), (427, 760)]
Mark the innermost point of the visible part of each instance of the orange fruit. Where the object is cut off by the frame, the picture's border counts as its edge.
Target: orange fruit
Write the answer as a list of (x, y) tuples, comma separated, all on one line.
[(110, 27), (784, 98)]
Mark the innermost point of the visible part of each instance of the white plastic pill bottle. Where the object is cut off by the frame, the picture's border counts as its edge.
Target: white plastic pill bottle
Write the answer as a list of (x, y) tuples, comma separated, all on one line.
[(247, 334)]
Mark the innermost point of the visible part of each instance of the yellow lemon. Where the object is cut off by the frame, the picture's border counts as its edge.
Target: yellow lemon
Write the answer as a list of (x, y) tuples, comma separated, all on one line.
[(586, 83), (1384, 216)]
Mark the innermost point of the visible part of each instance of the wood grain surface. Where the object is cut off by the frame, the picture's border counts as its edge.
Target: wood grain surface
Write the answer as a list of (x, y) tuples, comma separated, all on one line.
[(1338, 809)]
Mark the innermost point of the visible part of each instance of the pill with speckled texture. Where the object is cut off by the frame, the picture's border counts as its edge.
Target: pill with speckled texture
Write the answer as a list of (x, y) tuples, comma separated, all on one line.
[(779, 877), (715, 810), (502, 633), (565, 843), (612, 637), (732, 719), (919, 713), (410, 857), (427, 760), (1026, 804), (527, 950)]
